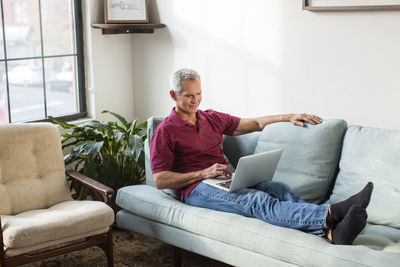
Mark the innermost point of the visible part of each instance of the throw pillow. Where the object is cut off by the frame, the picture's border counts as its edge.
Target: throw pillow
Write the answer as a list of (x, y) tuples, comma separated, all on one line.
[(310, 155), (371, 154)]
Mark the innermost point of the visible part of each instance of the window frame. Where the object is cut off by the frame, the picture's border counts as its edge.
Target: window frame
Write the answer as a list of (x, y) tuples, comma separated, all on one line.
[(81, 84)]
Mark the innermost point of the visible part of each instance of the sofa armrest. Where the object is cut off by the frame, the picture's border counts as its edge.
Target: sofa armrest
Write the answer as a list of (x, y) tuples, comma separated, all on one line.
[(106, 192)]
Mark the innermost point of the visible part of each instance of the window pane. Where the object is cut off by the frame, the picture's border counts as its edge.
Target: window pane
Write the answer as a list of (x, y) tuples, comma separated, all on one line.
[(1, 38), (26, 90), (3, 95), (58, 25), (61, 86), (22, 28)]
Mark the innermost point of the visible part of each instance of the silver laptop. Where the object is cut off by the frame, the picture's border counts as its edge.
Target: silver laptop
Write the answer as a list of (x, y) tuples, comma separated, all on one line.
[(251, 170)]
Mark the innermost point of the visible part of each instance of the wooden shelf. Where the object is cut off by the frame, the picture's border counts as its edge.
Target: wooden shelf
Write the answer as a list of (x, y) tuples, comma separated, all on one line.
[(128, 28)]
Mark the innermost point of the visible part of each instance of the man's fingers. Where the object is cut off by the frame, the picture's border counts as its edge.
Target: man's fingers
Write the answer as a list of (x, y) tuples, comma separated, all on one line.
[(298, 123), (313, 119), (223, 169)]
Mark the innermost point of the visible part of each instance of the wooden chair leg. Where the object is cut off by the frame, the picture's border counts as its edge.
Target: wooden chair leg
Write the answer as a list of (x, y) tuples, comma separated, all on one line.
[(177, 257), (108, 249)]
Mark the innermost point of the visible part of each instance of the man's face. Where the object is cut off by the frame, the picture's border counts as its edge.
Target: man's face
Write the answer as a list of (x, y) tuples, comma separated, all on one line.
[(188, 100)]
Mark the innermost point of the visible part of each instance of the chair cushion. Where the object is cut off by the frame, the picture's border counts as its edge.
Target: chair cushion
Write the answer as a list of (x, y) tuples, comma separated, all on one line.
[(11, 252), (287, 245), (63, 220), (32, 172), (310, 155), (371, 154)]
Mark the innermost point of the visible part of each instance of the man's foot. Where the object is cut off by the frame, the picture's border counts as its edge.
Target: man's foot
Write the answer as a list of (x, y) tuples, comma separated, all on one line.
[(350, 227), (339, 210)]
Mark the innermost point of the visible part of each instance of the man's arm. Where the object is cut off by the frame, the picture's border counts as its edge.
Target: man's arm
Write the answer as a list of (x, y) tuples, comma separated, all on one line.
[(249, 125), (175, 180)]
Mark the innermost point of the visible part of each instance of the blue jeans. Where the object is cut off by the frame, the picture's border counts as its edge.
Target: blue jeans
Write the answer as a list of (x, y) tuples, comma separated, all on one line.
[(272, 202)]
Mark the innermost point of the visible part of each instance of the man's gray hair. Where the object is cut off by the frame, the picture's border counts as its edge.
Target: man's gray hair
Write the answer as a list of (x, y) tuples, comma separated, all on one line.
[(183, 74)]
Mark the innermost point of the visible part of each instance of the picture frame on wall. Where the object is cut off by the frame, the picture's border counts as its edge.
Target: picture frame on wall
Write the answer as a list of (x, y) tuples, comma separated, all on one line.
[(126, 11), (326, 5)]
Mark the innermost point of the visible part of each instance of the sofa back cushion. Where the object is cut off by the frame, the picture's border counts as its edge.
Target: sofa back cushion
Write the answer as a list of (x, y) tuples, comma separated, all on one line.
[(152, 124), (32, 172), (371, 154), (310, 155), (239, 146)]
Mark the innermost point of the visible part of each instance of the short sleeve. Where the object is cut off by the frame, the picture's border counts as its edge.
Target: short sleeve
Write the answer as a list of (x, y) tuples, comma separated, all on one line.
[(231, 124), (227, 123), (161, 151)]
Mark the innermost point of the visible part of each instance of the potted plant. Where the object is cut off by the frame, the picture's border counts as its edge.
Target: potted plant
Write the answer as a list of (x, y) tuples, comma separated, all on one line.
[(111, 153)]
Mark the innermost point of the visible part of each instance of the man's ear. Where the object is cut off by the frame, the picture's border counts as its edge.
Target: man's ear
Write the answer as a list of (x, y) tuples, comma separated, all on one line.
[(172, 94)]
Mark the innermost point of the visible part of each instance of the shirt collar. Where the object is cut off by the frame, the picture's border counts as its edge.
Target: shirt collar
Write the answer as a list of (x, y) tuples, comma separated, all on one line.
[(175, 119)]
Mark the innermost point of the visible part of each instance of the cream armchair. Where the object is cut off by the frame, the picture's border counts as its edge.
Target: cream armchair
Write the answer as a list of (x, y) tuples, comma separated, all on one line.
[(39, 219)]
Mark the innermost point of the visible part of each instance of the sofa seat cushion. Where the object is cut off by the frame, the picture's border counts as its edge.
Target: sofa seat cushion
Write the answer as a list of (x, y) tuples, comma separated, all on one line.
[(371, 154), (310, 155), (287, 245), (63, 220)]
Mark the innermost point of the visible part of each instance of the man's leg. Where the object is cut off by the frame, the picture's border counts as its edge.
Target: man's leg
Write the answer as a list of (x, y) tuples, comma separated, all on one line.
[(258, 204), (279, 190)]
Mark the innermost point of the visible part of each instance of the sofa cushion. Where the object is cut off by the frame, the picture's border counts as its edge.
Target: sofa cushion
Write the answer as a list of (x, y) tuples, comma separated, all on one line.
[(371, 154), (287, 245), (32, 172), (310, 155), (239, 146), (63, 220)]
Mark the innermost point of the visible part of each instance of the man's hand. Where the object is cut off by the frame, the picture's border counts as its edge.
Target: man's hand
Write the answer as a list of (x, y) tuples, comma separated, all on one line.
[(299, 119), (216, 170)]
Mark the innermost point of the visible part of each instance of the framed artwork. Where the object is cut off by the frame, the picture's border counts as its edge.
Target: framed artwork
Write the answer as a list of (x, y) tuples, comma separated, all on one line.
[(126, 11), (316, 5)]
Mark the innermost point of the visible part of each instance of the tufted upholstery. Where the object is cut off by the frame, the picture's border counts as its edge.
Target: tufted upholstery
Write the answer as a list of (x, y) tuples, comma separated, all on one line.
[(32, 172)]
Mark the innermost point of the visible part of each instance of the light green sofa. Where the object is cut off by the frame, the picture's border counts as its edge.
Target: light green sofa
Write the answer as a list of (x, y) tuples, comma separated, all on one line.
[(327, 162)]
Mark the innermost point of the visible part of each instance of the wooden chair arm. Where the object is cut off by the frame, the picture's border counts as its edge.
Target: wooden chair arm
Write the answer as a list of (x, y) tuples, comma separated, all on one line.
[(106, 192)]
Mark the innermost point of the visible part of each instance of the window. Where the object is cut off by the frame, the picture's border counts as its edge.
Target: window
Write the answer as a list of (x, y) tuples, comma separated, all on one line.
[(41, 60)]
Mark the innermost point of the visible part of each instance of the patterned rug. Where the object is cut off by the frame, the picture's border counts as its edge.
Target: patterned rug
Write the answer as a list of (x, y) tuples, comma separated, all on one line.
[(130, 249)]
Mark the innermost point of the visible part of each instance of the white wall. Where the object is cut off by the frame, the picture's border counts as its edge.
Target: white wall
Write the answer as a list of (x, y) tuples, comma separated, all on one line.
[(108, 62), (269, 56)]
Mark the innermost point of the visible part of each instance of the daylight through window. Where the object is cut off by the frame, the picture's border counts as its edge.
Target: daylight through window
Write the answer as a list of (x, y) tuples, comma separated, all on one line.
[(41, 65)]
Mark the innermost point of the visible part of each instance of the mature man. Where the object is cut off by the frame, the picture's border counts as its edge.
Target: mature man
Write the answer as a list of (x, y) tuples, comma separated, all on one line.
[(186, 149)]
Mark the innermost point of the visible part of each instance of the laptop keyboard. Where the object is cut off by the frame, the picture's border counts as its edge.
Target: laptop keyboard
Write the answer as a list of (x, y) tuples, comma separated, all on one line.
[(226, 184)]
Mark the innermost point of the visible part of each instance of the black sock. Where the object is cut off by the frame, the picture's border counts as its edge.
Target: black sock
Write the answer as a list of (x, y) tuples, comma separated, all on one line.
[(352, 224), (362, 198)]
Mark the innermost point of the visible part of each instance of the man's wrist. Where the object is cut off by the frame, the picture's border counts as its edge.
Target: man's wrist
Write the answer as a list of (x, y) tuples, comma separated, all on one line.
[(287, 117), (199, 175)]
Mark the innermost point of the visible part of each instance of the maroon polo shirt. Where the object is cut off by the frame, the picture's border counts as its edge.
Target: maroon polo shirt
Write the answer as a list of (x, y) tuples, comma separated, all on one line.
[(180, 146)]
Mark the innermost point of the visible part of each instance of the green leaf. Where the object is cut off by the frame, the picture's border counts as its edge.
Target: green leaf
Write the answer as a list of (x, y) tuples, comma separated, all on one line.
[(136, 146), (142, 125), (119, 117), (110, 172), (118, 135), (92, 149), (95, 125), (77, 150), (61, 123), (89, 169)]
